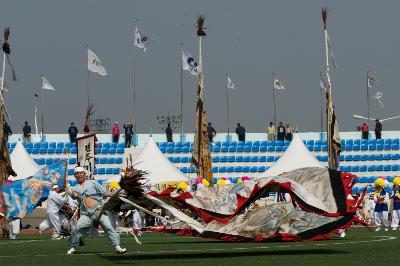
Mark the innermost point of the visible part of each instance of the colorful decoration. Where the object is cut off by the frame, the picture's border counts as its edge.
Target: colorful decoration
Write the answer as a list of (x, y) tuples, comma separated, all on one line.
[(396, 180)]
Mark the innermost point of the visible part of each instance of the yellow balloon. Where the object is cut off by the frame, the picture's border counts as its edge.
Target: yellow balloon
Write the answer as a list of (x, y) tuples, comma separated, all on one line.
[(205, 182), (240, 181), (183, 185), (221, 182), (113, 185), (380, 182), (396, 180)]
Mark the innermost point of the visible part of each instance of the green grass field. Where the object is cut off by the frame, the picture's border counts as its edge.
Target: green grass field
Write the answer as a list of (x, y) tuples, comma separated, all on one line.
[(359, 247)]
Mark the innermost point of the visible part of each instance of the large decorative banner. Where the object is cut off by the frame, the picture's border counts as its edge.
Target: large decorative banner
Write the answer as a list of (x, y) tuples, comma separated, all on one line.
[(21, 197), (85, 148)]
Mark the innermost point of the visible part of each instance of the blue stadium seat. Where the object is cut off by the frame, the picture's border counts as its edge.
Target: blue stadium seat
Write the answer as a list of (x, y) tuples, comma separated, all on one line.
[(248, 143), (43, 150), (110, 160), (240, 143), (187, 144), (215, 169), (176, 159), (253, 169), (310, 143), (186, 149), (363, 168), (395, 147), (103, 161), (122, 146), (349, 147), (185, 159), (395, 156), (380, 141), (387, 168), (388, 147), (52, 145), (261, 169), (388, 141), (239, 159), (262, 159), (324, 148), (35, 145), (109, 171), (170, 149), (240, 149), (395, 167), (343, 142), (51, 150), (247, 148), (41, 161), (101, 171), (270, 148), (361, 180), (271, 159), (348, 158), (232, 149), (116, 171), (72, 160), (370, 179), (103, 150), (26, 145), (246, 159), (277, 158), (178, 144), (49, 161), (354, 190), (70, 171), (230, 169), (341, 158), (185, 170), (231, 159), (278, 149), (263, 148), (106, 145), (96, 160), (224, 149), (356, 147), (264, 143), (254, 159), (378, 157), (357, 142), (371, 168), (120, 150), (364, 147), (256, 143), (371, 157), (112, 151), (317, 148), (216, 149), (387, 156), (379, 168), (356, 157), (245, 169), (178, 150), (238, 169), (163, 149), (355, 168), (255, 148), (118, 160), (217, 143), (349, 142), (43, 145), (223, 159), (319, 157), (364, 157), (222, 169), (29, 150), (379, 147)]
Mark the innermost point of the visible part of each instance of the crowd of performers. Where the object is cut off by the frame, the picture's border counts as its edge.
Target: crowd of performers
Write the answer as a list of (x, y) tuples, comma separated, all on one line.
[(381, 205)]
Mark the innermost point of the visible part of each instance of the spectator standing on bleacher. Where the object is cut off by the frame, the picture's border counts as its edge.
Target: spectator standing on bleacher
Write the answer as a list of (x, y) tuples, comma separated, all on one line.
[(211, 132), (6, 131), (72, 132), (115, 132), (27, 132), (128, 134), (378, 129), (168, 133), (241, 132), (271, 131), (281, 132), (289, 132), (365, 130)]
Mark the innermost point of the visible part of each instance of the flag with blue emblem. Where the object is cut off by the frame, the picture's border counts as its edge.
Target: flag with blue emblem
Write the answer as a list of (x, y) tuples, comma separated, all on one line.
[(188, 63), (141, 40), (21, 197)]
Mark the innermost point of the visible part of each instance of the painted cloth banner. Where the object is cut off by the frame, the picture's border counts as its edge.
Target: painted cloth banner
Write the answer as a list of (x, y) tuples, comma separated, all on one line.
[(85, 149), (21, 197)]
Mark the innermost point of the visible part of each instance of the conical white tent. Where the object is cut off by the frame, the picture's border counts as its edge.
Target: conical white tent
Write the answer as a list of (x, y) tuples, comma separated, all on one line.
[(296, 156), (161, 171), (23, 165)]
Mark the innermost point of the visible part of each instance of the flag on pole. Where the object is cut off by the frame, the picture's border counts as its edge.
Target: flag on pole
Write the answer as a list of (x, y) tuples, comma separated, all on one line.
[(278, 84), (230, 83), (188, 63), (94, 64), (371, 81), (378, 96), (141, 40), (46, 84), (322, 85)]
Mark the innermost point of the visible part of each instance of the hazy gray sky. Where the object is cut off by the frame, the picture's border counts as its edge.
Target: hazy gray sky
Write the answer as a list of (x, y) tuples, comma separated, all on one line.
[(247, 39)]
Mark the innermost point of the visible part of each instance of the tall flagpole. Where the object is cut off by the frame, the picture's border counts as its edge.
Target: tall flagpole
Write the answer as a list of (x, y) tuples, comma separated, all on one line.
[(227, 104), (42, 113), (368, 98), (181, 92), (273, 97), (87, 80), (134, 91), (322, 111)]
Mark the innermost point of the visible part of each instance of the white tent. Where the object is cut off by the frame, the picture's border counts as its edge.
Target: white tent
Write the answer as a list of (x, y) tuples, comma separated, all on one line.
[(296, 156), (22, 163), (160, 169)]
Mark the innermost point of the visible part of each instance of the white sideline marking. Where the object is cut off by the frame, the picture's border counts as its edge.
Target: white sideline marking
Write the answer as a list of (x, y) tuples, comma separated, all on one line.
[(383, 238), (22, 241)]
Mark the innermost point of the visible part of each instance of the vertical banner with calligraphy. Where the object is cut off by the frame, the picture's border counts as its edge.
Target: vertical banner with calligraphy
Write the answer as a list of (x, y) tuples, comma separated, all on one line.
[(85, 150)]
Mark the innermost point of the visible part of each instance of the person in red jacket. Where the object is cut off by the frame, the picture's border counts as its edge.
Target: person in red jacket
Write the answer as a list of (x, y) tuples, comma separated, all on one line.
[(115, 132), (365, 130)]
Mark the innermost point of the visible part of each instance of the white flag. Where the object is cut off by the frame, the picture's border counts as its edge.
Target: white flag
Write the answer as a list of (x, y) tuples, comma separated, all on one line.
[(371, 81), (141, 40), (46, 84), (94, 64), (278, 84), (188, 63), (378, 96), (231, 85)]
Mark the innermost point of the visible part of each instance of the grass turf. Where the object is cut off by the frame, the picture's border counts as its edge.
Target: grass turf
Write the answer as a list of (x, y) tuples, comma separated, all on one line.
[(359, 247)]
